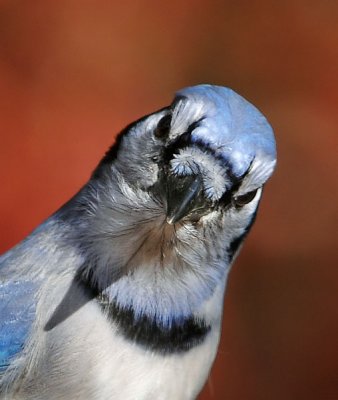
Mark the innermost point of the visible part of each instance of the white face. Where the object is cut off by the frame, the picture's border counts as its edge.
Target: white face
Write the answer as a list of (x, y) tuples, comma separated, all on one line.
[(200, 162), (177, 197), (191, 140)]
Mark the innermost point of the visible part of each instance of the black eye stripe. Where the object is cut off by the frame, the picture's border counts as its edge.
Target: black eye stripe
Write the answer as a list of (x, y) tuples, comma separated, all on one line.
[(163, 127), (246, 198)]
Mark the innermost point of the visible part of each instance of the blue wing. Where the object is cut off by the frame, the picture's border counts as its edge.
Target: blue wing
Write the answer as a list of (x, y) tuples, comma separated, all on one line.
[(17, 312), (20, 279)]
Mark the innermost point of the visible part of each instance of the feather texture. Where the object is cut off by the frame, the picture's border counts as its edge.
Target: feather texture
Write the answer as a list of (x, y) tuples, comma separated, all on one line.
[(119, 294)]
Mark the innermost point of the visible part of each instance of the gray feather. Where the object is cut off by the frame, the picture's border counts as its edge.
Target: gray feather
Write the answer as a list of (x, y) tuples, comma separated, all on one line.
[(119, 294)]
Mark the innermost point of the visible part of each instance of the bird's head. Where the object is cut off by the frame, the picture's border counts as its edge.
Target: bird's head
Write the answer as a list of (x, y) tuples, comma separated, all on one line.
[(209, 152), (181, 184), (170, 203)]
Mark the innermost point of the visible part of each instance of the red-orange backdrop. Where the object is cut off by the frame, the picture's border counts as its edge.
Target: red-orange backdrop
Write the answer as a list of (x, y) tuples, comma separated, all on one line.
[(73, 73)]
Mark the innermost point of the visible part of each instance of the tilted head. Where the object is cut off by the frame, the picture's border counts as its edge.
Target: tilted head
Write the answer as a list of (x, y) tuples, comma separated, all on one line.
[(148, 242), (208, 149), (175, 196)]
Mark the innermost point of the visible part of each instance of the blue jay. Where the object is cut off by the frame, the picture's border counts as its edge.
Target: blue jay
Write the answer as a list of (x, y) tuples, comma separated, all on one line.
[(119, 294)]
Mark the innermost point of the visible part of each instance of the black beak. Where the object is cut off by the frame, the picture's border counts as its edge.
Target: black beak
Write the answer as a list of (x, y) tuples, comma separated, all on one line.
[(184, 194)]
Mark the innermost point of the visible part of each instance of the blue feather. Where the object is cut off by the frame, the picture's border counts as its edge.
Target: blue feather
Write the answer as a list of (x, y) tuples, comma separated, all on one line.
[(17, 312), (234, 128)]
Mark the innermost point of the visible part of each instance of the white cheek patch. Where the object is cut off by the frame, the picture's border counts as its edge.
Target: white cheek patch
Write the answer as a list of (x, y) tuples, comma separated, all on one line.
[(191, 161)]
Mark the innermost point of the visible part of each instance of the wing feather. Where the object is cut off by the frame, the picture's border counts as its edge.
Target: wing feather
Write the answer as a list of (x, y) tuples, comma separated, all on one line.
[(17, 312)]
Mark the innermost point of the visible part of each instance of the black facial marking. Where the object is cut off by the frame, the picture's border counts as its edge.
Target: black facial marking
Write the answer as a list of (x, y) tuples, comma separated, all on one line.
[(163, 127), (194, 125), (229, 197), (236, 242), (146, 332), (182, 140), (246, 198)]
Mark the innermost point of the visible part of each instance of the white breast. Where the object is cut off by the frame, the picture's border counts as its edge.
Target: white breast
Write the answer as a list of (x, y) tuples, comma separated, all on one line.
[(84, 358)]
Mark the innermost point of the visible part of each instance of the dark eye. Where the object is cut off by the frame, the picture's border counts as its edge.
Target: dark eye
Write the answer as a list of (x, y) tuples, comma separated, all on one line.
[(163, 127), (240, 201)]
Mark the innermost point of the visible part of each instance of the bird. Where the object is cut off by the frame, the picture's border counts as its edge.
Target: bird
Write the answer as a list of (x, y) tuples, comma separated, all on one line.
[(119, 294)]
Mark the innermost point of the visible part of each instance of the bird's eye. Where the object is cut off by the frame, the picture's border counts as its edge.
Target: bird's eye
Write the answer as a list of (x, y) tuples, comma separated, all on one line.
[(163, 127), (240, 201)]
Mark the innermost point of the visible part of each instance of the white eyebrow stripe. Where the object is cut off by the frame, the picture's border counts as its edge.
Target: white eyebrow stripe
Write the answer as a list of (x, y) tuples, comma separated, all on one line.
[(258, 174)]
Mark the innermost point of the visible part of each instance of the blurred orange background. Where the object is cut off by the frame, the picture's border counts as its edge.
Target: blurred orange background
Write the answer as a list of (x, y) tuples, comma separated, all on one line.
[(74, 73)]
